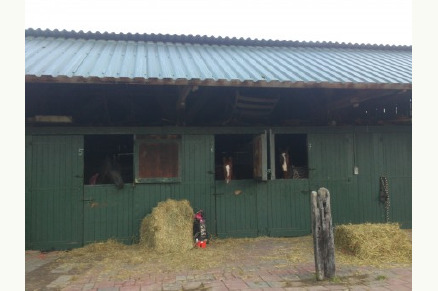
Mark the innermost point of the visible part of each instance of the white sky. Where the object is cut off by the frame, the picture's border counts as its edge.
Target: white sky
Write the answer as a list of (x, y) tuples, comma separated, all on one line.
[(369, 21)]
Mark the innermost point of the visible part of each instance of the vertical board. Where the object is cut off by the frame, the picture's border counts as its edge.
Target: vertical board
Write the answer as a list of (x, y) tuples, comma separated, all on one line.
[(271, 155), (108, 213), (237, 214), (369, 160), (260, 152), (331, 166), (56, 192), (289, 207), (28, 190), (388, 155), (397, 148)]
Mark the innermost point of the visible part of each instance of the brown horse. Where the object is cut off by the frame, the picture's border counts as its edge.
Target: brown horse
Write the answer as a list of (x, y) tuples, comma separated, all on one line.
[(288, 170), (285, 163), (228, 168), (109, 173)]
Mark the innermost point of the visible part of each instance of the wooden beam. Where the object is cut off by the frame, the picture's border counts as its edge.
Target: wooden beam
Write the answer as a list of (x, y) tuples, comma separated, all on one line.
[(184, 92), (402, 96), (358, 98)]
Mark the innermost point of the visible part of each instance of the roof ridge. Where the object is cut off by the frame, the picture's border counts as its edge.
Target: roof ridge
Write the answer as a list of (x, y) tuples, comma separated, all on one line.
[(204, 39)]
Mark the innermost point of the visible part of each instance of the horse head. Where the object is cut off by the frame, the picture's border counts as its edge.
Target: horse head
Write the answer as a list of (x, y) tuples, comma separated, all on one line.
[(285, 162), (228, 168), (110, 173)]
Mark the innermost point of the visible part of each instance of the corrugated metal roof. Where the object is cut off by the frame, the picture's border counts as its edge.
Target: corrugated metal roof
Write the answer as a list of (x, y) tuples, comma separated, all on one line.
[(165, 59)]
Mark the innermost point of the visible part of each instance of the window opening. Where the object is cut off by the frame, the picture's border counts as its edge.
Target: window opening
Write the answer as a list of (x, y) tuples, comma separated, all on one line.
[(108, 159), (158, 158), (236, 152), (291, 156)]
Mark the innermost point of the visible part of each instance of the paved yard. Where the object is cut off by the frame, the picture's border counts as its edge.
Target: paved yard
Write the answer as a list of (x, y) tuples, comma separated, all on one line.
[(256, 265)]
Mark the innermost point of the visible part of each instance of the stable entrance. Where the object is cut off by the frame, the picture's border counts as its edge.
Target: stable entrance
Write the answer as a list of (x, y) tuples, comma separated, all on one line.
[(54, 192), (260, 200)]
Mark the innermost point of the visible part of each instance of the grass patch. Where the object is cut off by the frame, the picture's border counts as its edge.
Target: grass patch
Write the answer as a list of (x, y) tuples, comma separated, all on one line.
[(381, 277), (336, 280)]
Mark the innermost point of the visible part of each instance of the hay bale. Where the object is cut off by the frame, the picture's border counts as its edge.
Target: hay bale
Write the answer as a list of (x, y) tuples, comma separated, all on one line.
[(169, 227), (374, 242)]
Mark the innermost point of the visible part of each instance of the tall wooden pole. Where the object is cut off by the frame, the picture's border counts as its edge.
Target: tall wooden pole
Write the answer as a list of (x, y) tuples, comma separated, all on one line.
[(322, 230)]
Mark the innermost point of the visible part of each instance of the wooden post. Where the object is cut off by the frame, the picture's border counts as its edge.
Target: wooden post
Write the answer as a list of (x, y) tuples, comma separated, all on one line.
[(322, 230)]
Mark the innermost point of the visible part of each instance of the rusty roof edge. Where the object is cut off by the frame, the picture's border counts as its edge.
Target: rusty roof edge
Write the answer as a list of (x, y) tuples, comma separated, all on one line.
[(198, 39), (218, 83)]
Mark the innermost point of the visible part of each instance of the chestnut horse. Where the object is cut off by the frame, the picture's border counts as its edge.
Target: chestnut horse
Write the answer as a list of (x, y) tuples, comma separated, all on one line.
[(228, 168), (287, 168), (285, 163)]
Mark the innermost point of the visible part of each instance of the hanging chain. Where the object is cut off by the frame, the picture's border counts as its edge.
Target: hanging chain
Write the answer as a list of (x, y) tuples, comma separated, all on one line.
[(385, 186)]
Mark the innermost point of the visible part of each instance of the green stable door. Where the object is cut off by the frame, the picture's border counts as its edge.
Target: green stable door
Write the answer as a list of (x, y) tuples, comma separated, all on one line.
[(54, 192), (331, 165)]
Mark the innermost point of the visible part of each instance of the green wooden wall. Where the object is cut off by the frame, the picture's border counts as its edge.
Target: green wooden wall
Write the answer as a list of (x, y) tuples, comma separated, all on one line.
[(331, 163), (108, 213), (63, 213), (54, 191), (288, 208)]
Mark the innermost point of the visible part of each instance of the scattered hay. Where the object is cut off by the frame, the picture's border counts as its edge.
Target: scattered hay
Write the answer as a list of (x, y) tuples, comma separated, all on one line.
[(378, 245), (169, 227), (373, 244), (133, 261), (83, 258)]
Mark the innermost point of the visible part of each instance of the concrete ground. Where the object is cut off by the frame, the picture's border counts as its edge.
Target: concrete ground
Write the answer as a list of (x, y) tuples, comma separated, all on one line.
[(45, 272)]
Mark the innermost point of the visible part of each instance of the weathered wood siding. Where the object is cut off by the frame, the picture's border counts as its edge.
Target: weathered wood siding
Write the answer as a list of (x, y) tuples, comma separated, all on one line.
[(237, 214), (62, 213), (54, 210), (28, 189), (288, 208), (397, 150), (331, 166), (389, 155), (108, 213)]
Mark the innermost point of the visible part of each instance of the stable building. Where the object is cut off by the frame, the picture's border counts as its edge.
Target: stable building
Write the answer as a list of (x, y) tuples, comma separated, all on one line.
[(116, 123)]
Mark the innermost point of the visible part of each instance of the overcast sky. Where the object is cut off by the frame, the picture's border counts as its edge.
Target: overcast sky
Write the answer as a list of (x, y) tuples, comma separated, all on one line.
[(355, 21)]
